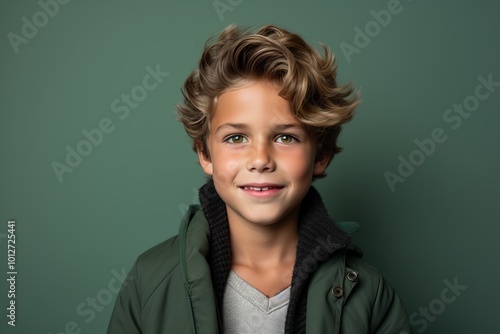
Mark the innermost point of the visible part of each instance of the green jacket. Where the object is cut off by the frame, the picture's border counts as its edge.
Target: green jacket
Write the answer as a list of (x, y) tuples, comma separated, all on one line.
[(169, 290)]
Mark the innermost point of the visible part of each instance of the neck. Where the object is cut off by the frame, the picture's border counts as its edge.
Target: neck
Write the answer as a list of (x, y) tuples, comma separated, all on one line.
[(263, 246)]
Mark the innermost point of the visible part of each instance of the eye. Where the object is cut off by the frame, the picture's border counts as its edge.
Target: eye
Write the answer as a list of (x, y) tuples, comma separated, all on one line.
[(235, 139), (286, 139)]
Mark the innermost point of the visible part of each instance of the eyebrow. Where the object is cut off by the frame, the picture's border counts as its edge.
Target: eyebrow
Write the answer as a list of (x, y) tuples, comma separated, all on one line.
[(276, 128)]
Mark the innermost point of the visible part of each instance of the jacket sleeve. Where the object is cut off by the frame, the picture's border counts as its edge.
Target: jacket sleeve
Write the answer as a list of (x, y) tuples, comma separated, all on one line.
[(126, 315), (388, 313)]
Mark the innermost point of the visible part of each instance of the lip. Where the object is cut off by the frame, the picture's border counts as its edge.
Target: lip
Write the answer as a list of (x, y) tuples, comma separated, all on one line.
[(261, 190)]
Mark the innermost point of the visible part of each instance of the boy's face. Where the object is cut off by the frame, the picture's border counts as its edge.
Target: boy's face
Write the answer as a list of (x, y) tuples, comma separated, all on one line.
[(262, 160)]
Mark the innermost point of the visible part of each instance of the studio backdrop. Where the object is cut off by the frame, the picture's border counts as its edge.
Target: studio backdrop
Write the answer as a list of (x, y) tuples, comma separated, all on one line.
[(94, 168)]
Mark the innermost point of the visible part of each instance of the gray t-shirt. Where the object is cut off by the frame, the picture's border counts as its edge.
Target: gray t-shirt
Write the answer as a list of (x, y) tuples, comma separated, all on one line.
[(247, 310)]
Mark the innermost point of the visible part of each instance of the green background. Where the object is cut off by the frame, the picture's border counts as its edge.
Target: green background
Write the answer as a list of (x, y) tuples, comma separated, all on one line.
[(129, 193)]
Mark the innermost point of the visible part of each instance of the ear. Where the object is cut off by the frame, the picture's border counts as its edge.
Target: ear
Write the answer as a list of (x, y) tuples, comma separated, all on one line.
[(205, 162), (321, 164)]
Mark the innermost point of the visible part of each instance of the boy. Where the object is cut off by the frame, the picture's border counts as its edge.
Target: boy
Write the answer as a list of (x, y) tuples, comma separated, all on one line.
[(261, 254)]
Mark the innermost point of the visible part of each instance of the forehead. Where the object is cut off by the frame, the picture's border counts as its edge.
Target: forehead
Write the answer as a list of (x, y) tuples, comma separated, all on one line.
[(253, 102)]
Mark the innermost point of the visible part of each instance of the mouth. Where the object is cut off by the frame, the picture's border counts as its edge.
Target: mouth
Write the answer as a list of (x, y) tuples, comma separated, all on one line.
[(261, 186), (258, 188), (265, 190)]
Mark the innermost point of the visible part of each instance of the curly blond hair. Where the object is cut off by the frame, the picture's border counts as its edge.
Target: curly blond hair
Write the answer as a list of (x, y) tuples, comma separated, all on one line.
[(306, 79)]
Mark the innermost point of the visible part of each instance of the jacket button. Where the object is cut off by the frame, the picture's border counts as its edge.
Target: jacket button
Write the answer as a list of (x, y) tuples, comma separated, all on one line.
[(337, 291), (352, 276)]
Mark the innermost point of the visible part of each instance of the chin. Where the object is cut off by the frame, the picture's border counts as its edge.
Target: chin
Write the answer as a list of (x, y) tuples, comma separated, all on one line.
[(265, 217)]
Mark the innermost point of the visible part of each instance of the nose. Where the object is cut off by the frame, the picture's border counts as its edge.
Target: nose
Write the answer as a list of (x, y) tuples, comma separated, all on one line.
[(261, 158)]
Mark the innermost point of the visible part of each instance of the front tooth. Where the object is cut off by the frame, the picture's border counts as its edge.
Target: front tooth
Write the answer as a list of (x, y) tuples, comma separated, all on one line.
[(266, 188)]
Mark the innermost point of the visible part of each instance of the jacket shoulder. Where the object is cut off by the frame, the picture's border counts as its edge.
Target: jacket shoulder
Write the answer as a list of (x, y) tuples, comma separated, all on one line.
[(369, 279), (355, 261), (162, 261), (163, 254), (150, 270), (387, 311), (156, 264)]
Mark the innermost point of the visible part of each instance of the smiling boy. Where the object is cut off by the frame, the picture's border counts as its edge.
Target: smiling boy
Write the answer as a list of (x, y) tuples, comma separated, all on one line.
[(262, 160), (260, 254)]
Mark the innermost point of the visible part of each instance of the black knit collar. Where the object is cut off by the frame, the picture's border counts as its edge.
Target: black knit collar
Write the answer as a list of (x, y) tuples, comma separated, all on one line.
[(319, 237)]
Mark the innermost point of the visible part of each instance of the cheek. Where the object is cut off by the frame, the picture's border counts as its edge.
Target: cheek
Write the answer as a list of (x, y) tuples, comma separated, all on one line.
[(299, 164), (226, 168), (299, 168), (304, 172)]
